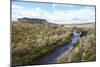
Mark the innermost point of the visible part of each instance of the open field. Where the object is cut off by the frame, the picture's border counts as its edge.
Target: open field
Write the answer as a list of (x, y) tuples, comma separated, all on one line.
[(81, 25), (32, 41)]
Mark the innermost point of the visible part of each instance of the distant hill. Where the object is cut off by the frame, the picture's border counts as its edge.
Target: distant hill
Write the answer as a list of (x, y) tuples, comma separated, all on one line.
[(46, 23), (81, 23), (34, 20), (90, 24), (31, 20), (42, 22)]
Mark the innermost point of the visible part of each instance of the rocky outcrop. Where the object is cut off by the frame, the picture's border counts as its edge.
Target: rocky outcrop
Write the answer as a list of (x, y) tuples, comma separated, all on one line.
[(31, 20)]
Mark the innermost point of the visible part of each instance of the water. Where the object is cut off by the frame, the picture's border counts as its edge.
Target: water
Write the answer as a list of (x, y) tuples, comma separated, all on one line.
[(48, 59)]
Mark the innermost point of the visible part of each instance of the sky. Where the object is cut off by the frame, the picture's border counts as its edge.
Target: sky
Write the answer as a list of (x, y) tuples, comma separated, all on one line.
[(55, 13)]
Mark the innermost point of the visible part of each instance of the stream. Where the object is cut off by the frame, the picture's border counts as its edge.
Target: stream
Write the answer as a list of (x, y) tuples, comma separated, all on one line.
[(50, 58)]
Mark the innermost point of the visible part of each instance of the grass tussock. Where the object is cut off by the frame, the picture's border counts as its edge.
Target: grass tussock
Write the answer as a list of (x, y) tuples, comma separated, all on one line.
[(85, 49), (30, 42)]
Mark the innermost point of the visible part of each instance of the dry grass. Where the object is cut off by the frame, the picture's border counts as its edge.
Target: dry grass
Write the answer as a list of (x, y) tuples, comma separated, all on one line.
[(85, 50), (30, 41)]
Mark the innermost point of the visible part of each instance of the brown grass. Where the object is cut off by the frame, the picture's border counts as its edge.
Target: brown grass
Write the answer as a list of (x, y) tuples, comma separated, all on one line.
[(30, 41), (85, 50)]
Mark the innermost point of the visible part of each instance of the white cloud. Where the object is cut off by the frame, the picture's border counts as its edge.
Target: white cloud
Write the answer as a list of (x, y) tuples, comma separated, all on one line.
[(57, 16), (83, 15), (54, 5), (20, 11)]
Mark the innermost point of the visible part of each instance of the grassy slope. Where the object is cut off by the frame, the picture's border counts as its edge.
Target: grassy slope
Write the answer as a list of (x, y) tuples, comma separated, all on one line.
[(85, 50), (32, 41)]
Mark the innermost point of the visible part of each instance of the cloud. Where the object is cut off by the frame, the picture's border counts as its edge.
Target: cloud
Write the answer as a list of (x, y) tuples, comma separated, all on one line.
[(20, 12), (77, 16), (86, 14)]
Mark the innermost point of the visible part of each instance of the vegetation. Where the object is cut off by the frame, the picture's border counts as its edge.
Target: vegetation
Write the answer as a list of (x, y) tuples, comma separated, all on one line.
[(84, 50), (31, 41)]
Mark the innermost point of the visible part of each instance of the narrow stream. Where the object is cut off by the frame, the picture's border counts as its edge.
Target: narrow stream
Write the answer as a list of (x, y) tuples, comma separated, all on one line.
[(50, 58)]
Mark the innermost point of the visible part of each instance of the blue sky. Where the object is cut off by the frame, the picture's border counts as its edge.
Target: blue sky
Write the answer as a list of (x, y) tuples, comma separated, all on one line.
[(55, 13)]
